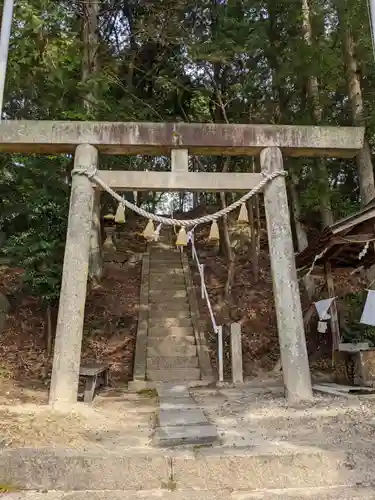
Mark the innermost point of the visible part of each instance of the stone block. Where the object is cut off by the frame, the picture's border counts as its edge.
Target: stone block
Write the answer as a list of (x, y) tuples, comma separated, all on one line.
[(173, 375), (167, 294), (162, 348), (177, 417), (165, 362), (172, 305), (174, 390), (164, 316), (183, 435), (39, 469), (173, 331), (251, 470), (177, 403), (169, 322)]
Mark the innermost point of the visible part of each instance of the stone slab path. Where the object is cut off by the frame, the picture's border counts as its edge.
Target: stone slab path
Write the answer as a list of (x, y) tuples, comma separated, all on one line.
[(181, 421)]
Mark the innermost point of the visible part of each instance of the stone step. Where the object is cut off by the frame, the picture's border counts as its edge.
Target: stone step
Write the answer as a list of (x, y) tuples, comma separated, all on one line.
[(171, 340), (173, 331), (168, 267), (167, 294), (167, 284), (157, 315), (170, 348), (184, 435), (252, 471), (191, 416), (334, 493), (165, 280), (167, 300), (173, 375), (175, 305), (170, 322), (172, 261), (162, 363)]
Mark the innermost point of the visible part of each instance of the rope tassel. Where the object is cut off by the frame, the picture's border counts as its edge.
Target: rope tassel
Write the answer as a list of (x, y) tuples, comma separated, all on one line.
[(182, 238), (243, 216), (214, 232), (120, 214), (149, 231)]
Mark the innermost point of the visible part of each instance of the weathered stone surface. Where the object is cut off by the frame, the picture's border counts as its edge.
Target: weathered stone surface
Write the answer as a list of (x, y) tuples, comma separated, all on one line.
[(166, 362), (139, 372), (44, 136), (68, 340), (159, 494), (335, 493), (68, 470), (173, 375), (166, 316), (180, 435), (174, 331), (170, 348), (171, 306), (177, 403), (218, 470), (173, 391), (290, 326), (177, 417), (168, 322), (164, 295)]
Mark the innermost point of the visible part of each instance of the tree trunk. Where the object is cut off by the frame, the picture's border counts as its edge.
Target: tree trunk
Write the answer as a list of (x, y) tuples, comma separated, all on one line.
[(49, 331), (300, 231), (89, 70), (363, 159), (312, 89), (254, 221), (301, 235), (90, 52)]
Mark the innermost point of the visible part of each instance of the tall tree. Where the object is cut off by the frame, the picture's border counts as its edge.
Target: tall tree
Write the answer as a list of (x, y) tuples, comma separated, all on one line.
[(357, 107)]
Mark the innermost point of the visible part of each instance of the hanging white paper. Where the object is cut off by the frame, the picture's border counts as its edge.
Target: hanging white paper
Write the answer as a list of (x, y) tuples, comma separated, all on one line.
[(322, 327), (322, 307), (368, 314)]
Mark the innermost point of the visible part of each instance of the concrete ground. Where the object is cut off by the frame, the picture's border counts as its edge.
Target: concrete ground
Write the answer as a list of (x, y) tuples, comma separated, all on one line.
[(267, 450)]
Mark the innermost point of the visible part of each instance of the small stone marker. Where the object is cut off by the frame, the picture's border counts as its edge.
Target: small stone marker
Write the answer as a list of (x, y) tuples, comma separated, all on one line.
[(236, 353)]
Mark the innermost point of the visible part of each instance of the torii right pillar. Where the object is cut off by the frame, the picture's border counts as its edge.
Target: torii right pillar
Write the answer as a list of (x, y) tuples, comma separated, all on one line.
[(293, 351)]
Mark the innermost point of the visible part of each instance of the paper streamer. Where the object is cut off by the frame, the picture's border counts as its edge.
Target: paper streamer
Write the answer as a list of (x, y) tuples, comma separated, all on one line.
[(322, 307), (368, 314), (322, 327)]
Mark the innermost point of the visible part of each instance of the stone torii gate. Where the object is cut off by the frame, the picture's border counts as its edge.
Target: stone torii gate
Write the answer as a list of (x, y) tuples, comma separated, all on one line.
[(87, 139)]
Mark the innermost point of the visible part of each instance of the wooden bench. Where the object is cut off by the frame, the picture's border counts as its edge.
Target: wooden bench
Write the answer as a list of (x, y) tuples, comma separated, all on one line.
[(95, 376)]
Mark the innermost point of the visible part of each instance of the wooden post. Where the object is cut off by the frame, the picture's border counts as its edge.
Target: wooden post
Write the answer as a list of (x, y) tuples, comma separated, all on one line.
[(96, 263), (236, 353), (292, 340), (67, 352), (335, 328)]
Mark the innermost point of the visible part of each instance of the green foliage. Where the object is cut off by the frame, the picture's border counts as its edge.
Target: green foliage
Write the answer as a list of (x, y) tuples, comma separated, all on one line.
[(352, 329), (240, 61), (33, 217)]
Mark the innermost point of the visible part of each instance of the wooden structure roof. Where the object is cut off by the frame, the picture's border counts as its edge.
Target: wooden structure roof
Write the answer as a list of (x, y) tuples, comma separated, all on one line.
[(342, 243)]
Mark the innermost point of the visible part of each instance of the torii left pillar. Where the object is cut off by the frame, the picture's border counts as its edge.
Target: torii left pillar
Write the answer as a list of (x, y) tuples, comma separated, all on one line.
[(67, 351)]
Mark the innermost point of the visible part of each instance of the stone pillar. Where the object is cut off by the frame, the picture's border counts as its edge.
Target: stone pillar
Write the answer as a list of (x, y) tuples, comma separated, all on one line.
[(67, 352), (236, 353), (96, 262), (292, 340)]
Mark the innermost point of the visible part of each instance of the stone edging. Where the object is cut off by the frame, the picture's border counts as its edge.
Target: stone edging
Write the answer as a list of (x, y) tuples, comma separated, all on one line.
[(200, 339), (139, 372)]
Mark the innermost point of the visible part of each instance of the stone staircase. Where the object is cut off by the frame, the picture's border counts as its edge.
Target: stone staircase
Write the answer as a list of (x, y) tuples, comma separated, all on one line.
[(171, 349), (170, 345)]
